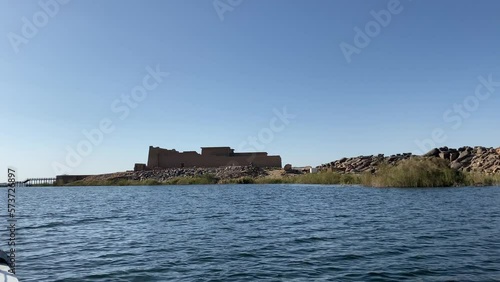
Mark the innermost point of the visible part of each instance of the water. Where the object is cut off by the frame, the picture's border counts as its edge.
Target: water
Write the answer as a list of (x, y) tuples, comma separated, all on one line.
[(257, 232)]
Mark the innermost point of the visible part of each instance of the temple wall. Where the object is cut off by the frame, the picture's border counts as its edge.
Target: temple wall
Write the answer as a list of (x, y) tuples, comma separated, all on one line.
[(210, 157)]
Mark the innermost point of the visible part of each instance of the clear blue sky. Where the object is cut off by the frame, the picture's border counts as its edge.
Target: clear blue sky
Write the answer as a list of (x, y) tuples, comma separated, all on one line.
[(226, 77)]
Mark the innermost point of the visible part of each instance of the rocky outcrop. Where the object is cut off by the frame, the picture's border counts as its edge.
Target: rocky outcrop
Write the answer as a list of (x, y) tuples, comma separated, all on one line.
[(363, 163), (476, 159), (469, 159), (222, 173)]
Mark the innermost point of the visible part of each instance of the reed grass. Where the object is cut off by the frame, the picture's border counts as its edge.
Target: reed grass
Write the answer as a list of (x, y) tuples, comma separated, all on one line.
[(415, 172)]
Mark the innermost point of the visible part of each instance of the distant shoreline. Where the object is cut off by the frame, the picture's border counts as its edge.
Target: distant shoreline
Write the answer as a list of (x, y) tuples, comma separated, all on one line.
[(416, 172), (440, 167)]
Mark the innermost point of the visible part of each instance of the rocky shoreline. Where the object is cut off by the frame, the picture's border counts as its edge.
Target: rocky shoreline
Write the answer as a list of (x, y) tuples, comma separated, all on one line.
[(164, 175), (480, 161), (465, 159)]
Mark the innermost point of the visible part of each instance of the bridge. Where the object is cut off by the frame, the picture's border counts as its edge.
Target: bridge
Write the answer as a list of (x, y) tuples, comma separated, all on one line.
[(33, 182), (39, 181)]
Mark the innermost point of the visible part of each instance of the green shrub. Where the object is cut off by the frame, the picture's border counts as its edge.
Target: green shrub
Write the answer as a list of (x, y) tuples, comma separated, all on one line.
[(241, 180), (150, 182), (189, 180), (479, 179), (245, 180), (269, 180), (415, 172), (324, 178)]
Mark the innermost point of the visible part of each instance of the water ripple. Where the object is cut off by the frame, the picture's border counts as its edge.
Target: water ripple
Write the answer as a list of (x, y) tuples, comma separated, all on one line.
[(252, 232)]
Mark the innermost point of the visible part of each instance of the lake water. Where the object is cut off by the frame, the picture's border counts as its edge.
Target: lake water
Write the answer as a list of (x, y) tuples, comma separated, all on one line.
[(257, 232)]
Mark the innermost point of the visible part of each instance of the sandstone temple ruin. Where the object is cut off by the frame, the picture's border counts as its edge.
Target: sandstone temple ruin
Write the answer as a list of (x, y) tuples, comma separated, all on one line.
[(209, 157)]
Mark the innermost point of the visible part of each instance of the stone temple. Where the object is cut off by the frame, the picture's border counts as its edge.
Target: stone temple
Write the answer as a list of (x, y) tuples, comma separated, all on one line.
[(160, 158)]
